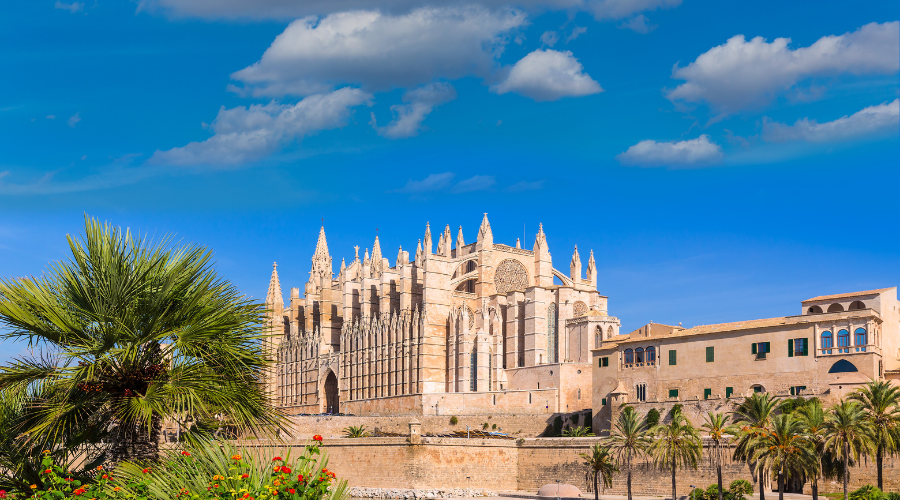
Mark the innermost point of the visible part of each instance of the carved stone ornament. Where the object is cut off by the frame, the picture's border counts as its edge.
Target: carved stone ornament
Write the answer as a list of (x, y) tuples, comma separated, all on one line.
[(510, 275), (471, 315), (580, 308)]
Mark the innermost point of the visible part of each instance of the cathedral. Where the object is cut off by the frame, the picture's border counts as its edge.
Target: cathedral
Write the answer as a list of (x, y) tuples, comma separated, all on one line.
[(478, 328)]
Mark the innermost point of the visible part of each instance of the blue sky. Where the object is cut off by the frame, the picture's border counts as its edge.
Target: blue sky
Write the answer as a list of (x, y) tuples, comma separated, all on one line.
[(724, 160)]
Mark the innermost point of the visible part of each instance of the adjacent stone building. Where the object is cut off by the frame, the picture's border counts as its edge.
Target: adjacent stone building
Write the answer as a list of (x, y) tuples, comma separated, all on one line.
[(836, 343), (461, 329)]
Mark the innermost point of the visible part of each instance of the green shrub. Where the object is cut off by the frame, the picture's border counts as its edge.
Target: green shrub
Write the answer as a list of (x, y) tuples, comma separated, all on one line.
[(454, 420), (356, 431), (697, 494), (867, 492), (557, 425), (739, 489), (580, 431), (712, 493), (494, 427), (652, 418), (485, 426), (891, 496)]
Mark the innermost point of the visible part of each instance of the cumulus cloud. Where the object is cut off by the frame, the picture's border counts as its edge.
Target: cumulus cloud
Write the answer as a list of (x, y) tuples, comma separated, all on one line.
[(380, 51), (871, 121), (577, 31), (292, 9), (420, 103), (549, 38), (71, 7), (475, 183), (638, 24), (743, 74), (74, 119), (548, 75), (434, 182), (244, 134), (699, 151)]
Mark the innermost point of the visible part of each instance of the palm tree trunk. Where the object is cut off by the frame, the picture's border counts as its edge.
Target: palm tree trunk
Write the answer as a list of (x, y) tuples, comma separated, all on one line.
[(781, 485), (762, 490), (846, 466), (815, 488), (879, 460), (673, 479), (596, 491), (135, 443), (719, 473), (629, 481)]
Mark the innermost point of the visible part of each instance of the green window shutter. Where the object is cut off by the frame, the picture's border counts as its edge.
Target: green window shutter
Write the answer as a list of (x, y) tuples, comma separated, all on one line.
[(710, 354), (673, 393), (806, 347), (729, 391), (672, 357), (790, 348), (707, 393), (753, 348), (767, 347), (603, 402)]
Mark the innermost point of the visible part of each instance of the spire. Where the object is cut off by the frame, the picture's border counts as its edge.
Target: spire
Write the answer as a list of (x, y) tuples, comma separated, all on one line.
[(518, 243), (592, 271), (377, 262), (428, 245), (274, 299), (447, 241), (460, 241), (485, 235), (400, 259), (575, 267), (420, 254), (321, 272), (540, 240)]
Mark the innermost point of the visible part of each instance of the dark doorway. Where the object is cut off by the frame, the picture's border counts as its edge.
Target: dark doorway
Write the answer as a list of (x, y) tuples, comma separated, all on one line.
[(332, 404)]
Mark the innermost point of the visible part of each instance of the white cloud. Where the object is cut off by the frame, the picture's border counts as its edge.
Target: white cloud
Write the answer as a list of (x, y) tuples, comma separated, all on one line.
[(380, 51), (420, 103), (525, 186), (741, 74), (245, 134), (577, 31), (699, 151), (638, 24), (475, 183), (871, 121), (292, 9), (548, 75), (71, 7), (434, 182), (51, 117), (74, 119), (549, 38)]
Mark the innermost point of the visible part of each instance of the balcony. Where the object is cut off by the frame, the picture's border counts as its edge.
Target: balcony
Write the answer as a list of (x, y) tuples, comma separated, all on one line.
[(855, 349)]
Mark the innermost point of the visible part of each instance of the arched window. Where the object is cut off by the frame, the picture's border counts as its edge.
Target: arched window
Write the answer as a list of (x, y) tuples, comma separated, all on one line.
[(639, 355), (827, 341), (861, 339), (609, 332), (843, 366), (597, 335), (835, 308), (473, 372), (651, 355), (856, 305), (552, 339), (814, 310), (629, 356), (843, 340), (758, 388)]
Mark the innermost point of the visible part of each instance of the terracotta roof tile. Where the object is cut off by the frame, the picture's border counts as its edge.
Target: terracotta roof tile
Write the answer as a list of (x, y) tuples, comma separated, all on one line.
[(847, 295)]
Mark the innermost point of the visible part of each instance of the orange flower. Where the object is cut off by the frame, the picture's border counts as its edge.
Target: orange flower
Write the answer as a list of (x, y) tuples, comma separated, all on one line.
[(99, 467), (235, 457), (276, 459), (48, 471), (277, 469), (245, 476), (105, 476), (186, 453), (285, 469), (317, 438), (116, 488), (46, 452), (146, 471)]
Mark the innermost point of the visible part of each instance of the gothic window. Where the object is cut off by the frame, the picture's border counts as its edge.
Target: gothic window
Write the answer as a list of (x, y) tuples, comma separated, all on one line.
[(579, 309), (552, 338), (650, 354), (827, 340), (473, 372), (641, 390), (490, 378), (609, 332), (629, 356), (861, 339), (597, 334)]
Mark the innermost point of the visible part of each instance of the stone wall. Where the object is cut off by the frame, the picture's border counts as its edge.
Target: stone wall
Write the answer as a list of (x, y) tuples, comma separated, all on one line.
[(524, 465)]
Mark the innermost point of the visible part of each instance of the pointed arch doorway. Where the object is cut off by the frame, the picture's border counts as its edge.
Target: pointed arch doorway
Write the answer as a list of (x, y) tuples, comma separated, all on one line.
[(332, 402)]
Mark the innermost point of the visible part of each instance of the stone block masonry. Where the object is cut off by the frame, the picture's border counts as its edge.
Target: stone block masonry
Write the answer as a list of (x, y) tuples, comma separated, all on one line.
[(519, 465)]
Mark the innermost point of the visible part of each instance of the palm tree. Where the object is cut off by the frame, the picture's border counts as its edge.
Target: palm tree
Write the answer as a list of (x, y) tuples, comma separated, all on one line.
[(784, 449), (580, 431), (881, 401), (676, 444), (813, 417), (717, 426), (601, 463), (131, 333), (751, 419), (848, 433), (356, 431), (628, 440)]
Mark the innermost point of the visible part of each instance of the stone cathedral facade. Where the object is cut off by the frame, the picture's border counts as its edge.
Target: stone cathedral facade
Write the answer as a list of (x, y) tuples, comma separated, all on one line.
[(457, 329)]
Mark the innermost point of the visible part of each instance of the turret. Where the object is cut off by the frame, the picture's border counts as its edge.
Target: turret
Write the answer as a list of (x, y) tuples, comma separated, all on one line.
[(592, 271), (274, 299), (543, 264), (428, 246), (460, 241), (575, 267), (485, 235), (321, 273)]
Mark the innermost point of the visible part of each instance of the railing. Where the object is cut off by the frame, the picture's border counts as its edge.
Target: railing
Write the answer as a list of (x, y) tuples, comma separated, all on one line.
[(847, 349)]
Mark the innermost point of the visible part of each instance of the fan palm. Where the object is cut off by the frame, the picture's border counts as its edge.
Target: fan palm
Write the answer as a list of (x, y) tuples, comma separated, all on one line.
[(601, 464), (813, 417), (628, 441), (132, 333), (716, 424), (356, 431), (580, 431), (676, 444), (751, 419), (784, 450), (881, 401), (848, 434)]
